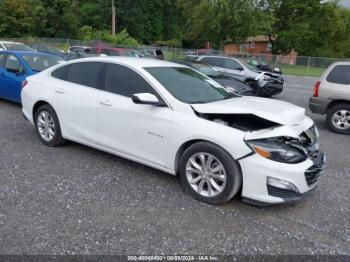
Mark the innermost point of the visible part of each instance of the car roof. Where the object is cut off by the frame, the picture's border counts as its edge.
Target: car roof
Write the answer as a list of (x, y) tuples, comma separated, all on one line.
[(26, 52), (10, 42), (341, 63), (217, 56), (131, 61)]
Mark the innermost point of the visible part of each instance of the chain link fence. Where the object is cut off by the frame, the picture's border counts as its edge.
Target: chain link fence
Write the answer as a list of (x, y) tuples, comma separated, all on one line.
[(290, 65)]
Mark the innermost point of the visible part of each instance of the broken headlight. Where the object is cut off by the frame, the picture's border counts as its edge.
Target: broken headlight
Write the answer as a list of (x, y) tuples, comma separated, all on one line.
[(278, 149)]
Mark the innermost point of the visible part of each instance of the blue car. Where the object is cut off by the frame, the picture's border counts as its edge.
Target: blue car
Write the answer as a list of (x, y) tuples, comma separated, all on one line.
[(15, 66)]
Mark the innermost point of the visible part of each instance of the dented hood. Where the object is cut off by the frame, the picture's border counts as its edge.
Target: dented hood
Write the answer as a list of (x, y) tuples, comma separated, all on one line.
[(273, 110)]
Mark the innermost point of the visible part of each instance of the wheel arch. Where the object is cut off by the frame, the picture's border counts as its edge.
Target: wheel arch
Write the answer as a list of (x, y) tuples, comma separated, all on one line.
[(37, 105), (337, 102), (191, 142)]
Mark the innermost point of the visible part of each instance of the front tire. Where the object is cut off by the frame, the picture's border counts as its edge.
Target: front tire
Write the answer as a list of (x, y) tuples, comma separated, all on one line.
[(209, 174), (48, 127), (338, 119)]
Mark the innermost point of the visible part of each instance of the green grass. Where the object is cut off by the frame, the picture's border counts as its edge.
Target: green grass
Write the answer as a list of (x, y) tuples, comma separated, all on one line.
[(170, 55), (298, 70)]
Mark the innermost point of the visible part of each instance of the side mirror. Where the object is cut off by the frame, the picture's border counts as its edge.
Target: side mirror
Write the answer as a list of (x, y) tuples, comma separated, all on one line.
[(240, 68), (147, 99)]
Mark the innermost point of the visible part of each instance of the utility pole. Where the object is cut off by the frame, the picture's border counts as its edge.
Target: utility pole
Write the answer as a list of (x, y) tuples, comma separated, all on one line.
[(113, 18)]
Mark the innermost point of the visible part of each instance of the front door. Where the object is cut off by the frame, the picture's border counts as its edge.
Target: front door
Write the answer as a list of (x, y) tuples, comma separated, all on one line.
[(139, 131), (11, 76)]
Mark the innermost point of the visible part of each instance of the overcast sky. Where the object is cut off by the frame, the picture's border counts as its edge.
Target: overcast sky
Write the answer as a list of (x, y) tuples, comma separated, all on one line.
[(345, 3)]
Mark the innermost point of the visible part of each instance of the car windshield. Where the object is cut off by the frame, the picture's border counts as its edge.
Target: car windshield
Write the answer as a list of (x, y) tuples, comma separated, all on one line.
[(40, 62), (189, 86), (17, 47)]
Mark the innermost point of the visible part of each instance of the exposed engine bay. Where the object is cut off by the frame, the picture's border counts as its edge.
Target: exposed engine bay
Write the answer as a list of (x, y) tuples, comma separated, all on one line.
[(244, 122)]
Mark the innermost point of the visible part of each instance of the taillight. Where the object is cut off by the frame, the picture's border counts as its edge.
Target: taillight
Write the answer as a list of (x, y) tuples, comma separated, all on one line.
[(24, 83), (316, 88)]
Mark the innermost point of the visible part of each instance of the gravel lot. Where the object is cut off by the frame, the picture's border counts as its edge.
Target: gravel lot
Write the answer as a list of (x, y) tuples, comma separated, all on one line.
[(77, 200)]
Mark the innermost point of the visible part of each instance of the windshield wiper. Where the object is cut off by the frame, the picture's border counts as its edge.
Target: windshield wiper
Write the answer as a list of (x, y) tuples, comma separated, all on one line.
[(199, 102)]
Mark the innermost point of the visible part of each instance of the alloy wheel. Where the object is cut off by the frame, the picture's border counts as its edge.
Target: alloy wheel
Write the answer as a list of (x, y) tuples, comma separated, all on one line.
[(46, 126), (341, 119), (206, 174)]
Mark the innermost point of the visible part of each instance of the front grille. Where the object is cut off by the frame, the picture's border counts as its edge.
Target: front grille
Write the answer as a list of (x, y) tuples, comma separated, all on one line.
[(313, 173), (282, 193)]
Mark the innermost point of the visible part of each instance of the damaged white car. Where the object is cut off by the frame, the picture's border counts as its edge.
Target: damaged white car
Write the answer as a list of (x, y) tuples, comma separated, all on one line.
[(175, 119)]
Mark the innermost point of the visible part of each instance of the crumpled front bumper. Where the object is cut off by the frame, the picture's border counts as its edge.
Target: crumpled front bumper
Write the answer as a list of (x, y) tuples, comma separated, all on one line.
[(256, 170)]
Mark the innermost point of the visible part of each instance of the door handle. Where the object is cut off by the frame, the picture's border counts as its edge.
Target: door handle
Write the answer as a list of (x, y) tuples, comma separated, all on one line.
[(2, 74), (106, 102), (60, 90)]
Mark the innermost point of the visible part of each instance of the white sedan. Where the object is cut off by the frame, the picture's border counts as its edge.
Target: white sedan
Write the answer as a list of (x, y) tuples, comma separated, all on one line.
[(175, 119)]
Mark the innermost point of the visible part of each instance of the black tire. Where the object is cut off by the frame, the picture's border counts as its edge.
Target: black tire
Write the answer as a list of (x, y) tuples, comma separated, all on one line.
[(232, 170), (57, 139), (331, 112)]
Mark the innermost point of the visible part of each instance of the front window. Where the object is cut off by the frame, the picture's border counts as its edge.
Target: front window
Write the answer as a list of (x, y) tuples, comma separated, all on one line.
[(39, 62), (189, 86), (17, 47)]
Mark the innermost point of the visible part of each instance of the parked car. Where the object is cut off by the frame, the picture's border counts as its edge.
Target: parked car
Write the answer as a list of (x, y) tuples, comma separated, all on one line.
[(117, 51), (77, 54), (173, 118), (15, 66), (271, 84), (77, 48), (13, 46), (260, 63), (332, 97), (156, 53), (207, 51), (147, 52), (233, 85), (49, 49)]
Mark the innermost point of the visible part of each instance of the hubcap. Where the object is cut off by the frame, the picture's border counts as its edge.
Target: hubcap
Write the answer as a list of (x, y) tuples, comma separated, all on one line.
[(46, 126), (206, 174), (341, 119)]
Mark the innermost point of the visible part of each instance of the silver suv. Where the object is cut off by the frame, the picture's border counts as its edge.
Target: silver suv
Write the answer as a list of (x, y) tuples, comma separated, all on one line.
[(242, 69), (332, 97)]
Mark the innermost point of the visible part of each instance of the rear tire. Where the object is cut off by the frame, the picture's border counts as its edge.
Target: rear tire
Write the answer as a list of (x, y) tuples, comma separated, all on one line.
[(209, 174), (48, 126), (338, 119)]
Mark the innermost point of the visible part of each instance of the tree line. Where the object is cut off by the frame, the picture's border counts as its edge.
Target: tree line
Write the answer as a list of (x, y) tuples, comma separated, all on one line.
[(313, 27)]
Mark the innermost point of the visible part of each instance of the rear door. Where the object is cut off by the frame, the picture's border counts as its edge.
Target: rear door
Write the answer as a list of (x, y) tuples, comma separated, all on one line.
[(75, 94), (214, 61), (233, 67), (2, 74), (11, 76)]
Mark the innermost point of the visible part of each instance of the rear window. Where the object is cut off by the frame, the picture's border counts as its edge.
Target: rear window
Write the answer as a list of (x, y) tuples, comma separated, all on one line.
[(39, 62), (61, 73), (340, 74), (86, 73), (214, 61)]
